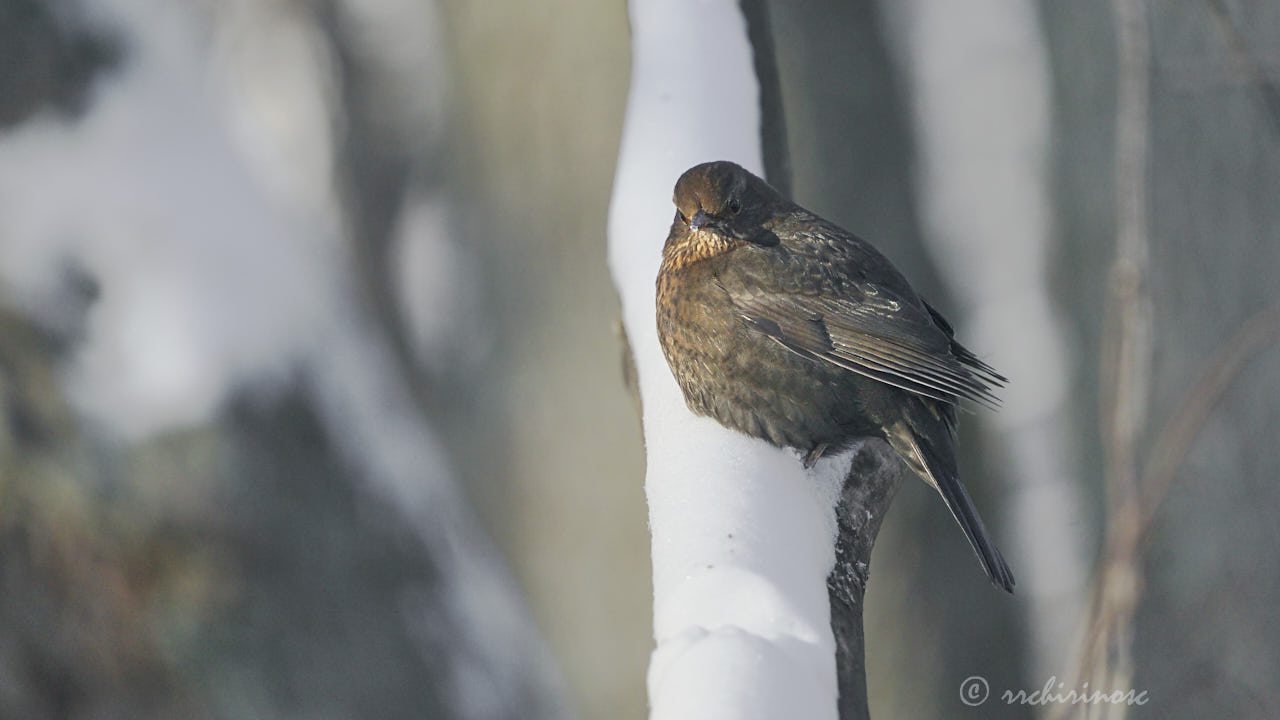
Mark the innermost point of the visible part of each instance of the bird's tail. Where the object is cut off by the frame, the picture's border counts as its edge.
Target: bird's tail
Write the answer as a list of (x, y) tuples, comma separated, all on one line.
[(932, 465)]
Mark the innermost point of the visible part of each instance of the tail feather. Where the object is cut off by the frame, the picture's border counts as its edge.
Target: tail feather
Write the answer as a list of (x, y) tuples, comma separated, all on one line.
[(930, 466)]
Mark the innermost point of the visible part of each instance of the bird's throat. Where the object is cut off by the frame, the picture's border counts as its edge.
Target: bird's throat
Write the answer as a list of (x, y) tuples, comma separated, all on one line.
[(695, 246)]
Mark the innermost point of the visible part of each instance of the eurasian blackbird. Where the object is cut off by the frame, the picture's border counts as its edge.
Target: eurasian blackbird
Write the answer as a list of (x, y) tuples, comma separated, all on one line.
[(788, 328)]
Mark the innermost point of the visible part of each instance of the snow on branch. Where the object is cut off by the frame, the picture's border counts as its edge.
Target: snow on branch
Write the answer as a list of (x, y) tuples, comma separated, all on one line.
[(743, 537)]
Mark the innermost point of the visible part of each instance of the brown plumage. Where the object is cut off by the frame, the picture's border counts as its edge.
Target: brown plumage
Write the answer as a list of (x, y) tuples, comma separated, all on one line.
[(786, 327)]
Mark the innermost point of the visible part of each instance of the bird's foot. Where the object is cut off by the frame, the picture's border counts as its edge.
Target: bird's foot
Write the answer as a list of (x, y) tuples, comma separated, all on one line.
[(814, 455)]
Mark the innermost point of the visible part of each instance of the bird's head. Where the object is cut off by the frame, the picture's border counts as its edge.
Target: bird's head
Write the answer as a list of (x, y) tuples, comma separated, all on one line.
[(721, 205)]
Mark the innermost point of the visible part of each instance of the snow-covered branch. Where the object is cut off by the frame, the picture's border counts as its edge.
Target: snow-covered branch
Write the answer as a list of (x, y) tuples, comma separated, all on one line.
[(743, 536)]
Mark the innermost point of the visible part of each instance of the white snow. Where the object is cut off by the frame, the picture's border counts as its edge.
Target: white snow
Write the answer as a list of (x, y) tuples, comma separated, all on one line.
[(742, 535), (207, 277)]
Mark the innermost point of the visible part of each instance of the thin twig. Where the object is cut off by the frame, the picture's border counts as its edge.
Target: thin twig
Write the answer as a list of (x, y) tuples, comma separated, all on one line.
[(1106, 655), (1165, 460), (1178, 435), (1106, 661), (1248, 61)]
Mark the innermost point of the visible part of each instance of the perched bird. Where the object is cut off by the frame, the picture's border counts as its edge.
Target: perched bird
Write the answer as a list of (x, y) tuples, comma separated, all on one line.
[(788, 328)]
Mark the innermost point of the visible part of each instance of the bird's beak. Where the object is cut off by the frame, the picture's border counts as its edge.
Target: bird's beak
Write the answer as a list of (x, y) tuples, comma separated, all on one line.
[(700, 220)]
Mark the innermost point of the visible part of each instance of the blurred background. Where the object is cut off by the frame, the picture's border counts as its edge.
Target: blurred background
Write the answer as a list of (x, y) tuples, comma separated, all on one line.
[(313, 402)]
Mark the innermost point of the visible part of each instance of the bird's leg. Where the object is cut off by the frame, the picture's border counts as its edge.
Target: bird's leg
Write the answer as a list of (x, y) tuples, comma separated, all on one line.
[(814, 455)]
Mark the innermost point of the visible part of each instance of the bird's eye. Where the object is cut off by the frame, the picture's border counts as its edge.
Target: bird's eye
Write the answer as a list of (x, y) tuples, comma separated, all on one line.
[(735, 206)]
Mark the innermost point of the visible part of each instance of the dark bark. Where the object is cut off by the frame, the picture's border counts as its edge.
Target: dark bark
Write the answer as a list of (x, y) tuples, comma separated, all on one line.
[(773, 126), (49, 59), (874, 478)]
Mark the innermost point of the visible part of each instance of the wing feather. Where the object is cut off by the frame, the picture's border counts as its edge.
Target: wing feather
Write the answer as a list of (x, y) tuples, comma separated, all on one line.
[(884, 336)]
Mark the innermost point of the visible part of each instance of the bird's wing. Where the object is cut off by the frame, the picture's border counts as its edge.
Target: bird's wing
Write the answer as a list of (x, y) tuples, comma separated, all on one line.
[(871, 329)]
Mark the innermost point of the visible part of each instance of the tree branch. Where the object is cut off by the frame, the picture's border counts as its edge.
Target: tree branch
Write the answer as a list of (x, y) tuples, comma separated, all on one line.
[(874, 479)]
